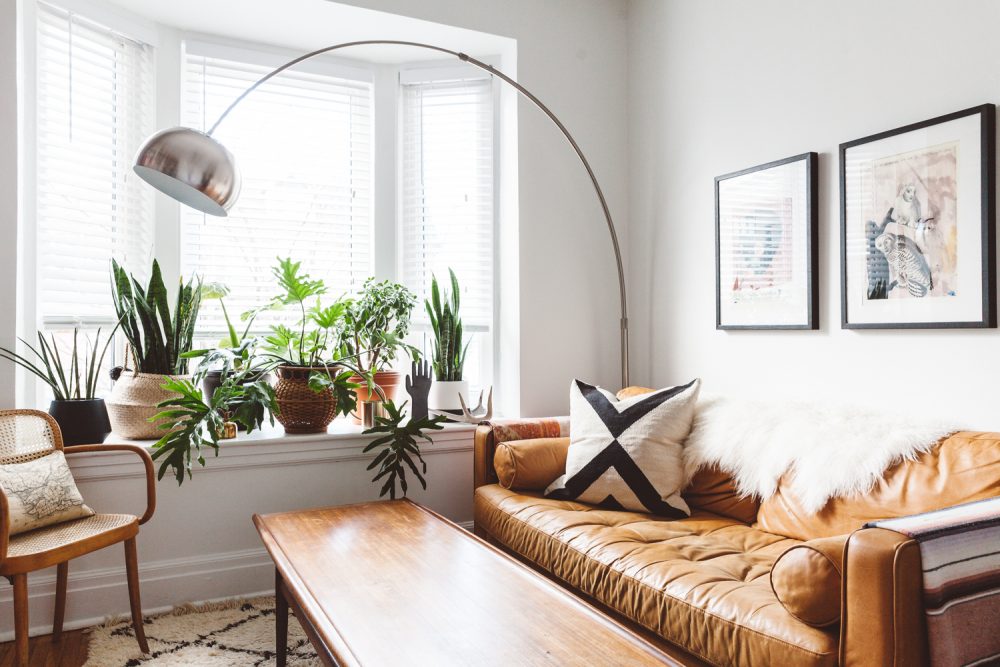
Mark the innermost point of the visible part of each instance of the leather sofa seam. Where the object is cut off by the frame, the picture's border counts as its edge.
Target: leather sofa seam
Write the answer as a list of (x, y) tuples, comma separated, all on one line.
[(733, 624)]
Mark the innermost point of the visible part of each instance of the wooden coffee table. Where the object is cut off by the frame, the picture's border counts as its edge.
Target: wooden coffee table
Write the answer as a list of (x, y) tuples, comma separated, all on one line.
[(392, 583)]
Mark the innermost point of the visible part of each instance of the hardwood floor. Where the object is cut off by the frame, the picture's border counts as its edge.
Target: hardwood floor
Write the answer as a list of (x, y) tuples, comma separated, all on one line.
[(70, 652)]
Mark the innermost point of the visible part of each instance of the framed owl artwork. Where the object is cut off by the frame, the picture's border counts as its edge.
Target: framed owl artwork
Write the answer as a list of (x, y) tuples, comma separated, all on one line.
[(766, 220), (917, 225)]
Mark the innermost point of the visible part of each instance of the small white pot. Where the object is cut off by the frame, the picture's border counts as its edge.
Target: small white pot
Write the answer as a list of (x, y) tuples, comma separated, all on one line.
[(444, 395)]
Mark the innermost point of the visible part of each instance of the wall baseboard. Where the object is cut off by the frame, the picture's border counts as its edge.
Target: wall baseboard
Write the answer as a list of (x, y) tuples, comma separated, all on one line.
[(94, 595)]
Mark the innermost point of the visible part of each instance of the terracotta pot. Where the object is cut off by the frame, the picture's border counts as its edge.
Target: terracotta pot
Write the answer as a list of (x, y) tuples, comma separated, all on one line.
[(300, 409), (388, 382), (133, 402)]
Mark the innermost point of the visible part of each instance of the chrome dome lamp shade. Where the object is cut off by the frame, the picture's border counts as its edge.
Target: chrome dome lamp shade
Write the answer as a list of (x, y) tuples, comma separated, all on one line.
[(191, 167)]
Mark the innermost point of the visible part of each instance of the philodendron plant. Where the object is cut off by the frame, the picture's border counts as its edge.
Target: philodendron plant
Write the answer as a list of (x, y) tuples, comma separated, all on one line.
[(449, 353), (399, 449)]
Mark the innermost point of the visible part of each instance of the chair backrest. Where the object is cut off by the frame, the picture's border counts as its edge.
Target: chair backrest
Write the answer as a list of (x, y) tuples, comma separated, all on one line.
[(26, 435)]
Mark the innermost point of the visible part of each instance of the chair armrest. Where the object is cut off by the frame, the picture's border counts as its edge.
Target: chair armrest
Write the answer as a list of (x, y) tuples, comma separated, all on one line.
[(491, 434), (882, 609), (147, 462), (4, 525)]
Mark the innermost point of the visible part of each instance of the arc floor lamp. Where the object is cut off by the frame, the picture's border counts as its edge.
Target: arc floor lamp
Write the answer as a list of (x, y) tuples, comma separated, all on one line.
[(196, 170)]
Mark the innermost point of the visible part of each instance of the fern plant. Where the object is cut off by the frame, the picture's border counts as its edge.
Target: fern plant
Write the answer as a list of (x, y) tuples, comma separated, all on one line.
[(449, 354), (157, 338)]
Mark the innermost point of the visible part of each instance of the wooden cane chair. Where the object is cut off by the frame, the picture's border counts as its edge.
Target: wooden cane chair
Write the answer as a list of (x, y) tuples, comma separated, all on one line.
[(26, 435)]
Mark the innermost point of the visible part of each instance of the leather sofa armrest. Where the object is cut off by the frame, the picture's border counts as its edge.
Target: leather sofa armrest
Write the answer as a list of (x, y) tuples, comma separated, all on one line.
[(882, 610), (490, 434)]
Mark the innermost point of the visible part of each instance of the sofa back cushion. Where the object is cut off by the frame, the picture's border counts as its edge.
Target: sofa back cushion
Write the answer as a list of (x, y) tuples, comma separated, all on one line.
[(961, 468)]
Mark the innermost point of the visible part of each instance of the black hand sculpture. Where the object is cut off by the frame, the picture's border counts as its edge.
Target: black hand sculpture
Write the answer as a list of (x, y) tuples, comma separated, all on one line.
[(418, 386)]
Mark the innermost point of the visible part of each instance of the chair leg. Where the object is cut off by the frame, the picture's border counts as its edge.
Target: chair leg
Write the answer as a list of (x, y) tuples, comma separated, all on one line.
[(132, 572), (62, 573), (20, 582)]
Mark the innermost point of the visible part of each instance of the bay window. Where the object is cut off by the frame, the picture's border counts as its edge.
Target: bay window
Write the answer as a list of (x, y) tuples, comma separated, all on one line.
[(306, 146)]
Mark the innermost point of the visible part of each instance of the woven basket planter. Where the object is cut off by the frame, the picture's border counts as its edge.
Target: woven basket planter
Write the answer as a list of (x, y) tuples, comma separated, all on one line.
[(300, 409), (133, 402)]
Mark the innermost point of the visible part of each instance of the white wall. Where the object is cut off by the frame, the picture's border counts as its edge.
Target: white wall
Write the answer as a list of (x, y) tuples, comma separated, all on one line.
[(8, 190), (572, 55), (722, 85)]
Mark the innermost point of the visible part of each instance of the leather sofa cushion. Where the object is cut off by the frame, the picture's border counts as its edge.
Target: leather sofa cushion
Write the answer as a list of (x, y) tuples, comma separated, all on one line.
[(961, 468), (807, 580), (530, 465), (701, 583)]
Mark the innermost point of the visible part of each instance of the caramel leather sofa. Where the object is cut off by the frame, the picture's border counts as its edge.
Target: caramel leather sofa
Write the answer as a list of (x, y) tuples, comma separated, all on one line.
[(700, 588)]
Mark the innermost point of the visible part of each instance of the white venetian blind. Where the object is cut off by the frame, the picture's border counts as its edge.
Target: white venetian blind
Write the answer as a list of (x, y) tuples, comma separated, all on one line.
[(303, 142), (94, 108), (447, 217)]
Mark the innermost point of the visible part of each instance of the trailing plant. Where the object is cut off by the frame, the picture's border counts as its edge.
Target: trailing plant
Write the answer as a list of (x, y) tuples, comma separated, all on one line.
[(449, 354), (158, 339), (398, 447), (192, 423), (73, 379), (375, 324)]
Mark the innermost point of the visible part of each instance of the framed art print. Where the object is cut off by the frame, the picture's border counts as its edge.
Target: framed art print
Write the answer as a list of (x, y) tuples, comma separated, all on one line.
[(765, 246), (917, 225)]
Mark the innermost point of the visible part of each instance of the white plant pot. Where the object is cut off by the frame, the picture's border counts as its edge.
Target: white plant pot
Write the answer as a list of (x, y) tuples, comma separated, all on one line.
[(444, 395)]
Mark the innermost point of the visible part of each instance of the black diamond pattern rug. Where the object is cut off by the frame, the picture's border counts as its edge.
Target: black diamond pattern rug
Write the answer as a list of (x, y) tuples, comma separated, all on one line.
[(229, 634)]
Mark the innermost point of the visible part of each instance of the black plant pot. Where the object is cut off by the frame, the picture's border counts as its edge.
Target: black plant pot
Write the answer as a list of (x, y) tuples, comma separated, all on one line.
[(82, 421)]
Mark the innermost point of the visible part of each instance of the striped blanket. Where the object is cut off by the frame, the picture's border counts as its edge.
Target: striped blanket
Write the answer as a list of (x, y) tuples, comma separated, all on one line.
[(960, 554)]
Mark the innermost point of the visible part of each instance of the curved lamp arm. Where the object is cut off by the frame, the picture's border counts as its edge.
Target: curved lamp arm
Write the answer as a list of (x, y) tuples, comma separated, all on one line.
[(142, 169)]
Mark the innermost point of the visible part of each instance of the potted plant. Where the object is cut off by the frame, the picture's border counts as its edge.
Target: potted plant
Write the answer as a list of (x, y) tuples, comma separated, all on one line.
[(157, 342), (82, 417), (449, 353), (372, 331), (191, 420), (398, 447), (233, 351), (314, 383)]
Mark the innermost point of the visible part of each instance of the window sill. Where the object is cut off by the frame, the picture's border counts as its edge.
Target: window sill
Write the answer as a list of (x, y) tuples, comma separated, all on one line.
[(270, 447)]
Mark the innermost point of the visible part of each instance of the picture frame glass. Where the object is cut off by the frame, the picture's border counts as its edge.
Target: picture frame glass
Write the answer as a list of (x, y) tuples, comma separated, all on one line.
[(764, 222), (913, 227)]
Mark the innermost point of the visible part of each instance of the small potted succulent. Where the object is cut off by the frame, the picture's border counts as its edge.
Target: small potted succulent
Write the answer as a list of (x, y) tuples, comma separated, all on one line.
[(372, 330), (81, 415), (157, 342), (314, 378), (448, 358)]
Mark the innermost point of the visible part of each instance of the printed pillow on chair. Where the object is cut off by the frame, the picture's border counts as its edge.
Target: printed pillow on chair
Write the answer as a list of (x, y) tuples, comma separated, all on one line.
[(627, 454)]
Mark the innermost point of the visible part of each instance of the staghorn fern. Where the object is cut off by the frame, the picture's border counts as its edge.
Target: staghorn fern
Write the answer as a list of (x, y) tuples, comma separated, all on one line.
[(449, 354)]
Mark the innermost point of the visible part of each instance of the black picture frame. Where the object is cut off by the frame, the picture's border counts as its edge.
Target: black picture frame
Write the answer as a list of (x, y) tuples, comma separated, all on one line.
[(987, 147), (811, 160)]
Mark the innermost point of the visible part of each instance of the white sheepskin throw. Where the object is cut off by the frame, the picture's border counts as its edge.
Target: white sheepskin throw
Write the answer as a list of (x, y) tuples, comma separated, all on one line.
[(829, 451)]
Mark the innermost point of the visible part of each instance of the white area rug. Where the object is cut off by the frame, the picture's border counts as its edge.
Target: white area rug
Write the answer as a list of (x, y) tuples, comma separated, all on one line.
[(228, 634)]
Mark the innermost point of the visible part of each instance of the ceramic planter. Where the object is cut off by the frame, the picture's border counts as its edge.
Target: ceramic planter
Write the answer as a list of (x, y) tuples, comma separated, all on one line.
[(81, 421), (444, 395), (388, 382), (133, 402), (302, 410)]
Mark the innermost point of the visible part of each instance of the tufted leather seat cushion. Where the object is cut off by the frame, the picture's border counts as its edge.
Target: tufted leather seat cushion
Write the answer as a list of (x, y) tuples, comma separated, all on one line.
[(701, 583)]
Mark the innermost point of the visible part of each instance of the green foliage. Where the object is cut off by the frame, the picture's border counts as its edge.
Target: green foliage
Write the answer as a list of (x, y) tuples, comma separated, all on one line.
[(191, 423), (398, 447), (74, 379), (219, 291), (158, 341), (375, 323), (340, 383), (449, 354)]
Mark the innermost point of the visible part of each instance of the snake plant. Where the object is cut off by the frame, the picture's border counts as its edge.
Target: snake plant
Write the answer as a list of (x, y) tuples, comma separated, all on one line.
[(157, 338), (449, 354)]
